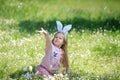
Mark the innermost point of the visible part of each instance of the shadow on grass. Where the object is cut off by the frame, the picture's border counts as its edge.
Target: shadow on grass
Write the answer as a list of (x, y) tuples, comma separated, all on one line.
[(79, 24), (19, 73), (75, 75)]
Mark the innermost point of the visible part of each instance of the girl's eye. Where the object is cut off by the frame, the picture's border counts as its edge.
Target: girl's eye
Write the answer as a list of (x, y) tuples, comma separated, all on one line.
[(60, 38)]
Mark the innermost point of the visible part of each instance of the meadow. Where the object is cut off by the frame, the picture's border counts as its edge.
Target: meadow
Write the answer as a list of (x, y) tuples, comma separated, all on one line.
[(94, 41)]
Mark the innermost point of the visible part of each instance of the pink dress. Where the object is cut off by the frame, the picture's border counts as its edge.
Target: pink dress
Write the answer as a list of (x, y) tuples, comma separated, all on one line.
[(50, 62)]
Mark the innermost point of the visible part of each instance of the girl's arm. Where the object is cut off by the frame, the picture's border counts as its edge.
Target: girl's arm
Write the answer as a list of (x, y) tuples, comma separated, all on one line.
[(48, 40)]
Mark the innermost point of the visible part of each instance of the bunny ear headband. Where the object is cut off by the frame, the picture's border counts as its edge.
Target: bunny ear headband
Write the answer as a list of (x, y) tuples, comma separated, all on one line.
[(65, 29)]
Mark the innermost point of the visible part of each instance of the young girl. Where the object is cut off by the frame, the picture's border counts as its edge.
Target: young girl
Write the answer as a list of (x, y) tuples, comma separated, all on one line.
[(55, 52)]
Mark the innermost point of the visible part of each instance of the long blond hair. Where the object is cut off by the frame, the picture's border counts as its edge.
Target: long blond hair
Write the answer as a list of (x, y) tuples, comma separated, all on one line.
[(65, 60)]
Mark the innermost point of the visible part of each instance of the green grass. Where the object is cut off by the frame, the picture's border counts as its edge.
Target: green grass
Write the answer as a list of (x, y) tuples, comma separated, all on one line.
[(92, 56), (94, 41), (45, 10), (27, 16)]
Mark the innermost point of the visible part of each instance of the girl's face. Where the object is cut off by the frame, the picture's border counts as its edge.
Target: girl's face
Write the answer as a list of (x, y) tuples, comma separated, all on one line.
[(58, 39)]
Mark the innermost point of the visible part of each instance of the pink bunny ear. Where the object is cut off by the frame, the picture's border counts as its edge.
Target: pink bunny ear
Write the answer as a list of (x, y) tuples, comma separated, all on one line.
[(59, 26), (67, 28)]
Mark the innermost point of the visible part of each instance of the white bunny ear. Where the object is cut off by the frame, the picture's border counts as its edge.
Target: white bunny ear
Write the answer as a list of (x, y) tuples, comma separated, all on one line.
[(59, 26), (67, 28)]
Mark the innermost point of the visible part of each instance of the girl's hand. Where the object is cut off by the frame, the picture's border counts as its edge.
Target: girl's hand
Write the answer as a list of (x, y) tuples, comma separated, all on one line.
[(48, 40), (42, 31)]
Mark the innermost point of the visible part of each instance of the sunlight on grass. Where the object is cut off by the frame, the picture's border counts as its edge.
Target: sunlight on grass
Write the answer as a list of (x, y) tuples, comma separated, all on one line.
[(46, 9)]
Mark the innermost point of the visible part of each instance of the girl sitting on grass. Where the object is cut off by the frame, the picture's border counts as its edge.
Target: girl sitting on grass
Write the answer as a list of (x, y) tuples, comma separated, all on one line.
[(55, 52)]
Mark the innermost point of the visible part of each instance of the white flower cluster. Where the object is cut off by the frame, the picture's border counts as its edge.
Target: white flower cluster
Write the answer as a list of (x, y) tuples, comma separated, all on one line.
[(28, 74), (30, 68), (59, 76)]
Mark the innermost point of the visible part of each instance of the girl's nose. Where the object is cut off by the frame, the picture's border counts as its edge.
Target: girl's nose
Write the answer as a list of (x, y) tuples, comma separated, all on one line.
[(57, 39)]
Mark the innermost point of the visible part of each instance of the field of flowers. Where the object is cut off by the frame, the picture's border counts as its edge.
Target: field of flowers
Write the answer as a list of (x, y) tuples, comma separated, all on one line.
[(92, 56), (93, 42)]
